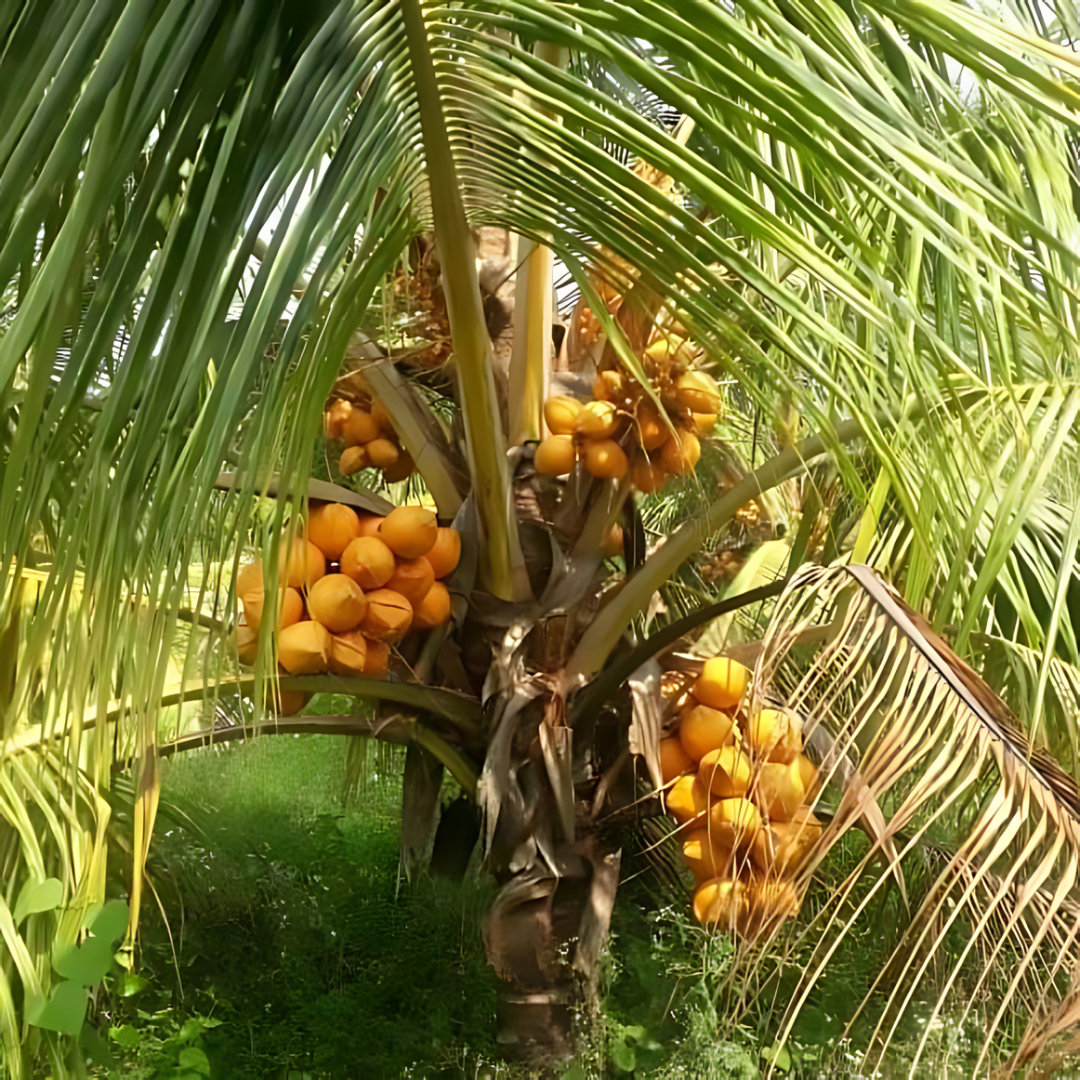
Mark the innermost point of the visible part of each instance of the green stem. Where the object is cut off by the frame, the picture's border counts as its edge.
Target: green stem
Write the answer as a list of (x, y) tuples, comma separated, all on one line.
[(502, 561), (603, 634)]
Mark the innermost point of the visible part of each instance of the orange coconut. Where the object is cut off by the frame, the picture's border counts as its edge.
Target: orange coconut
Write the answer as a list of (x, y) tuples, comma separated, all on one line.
[(247, 644), (734, 822), (681, 453), (249, 579), (705, 858), (410, 531), (353, 460), (369, 524), (300, 564), (775, 734), (445, 554), (434, 609), (702, 729), (369, 562), (785, 845), (389, 616), (687, 800), (613, 544), (698, 392), (722, 683), (674, 760), (779, 790), (561, 413), (290, 702), (720, 902), (332, 527), (768, 904), (704, 423), (597, 420), (304, 648), (378, 658), (605, 459), (402, 469), (382, 453), (381, 417), (652, 431), (348, 653), (359, 428), (555, 456), (334, 418), (290, 608), (412, 578), (337, 602), (648, 476), (725, 772)]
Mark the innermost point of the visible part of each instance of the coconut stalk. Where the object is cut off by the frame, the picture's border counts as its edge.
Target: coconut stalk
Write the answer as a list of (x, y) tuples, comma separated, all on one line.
[(503, 566)]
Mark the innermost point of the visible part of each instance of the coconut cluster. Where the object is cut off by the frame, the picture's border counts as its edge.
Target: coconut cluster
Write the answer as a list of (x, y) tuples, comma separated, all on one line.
[(351, 587), (621, 431), (741, 790), (369, 437)]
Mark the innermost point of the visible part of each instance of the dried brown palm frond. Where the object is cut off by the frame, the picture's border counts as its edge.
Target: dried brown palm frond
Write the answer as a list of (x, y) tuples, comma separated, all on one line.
[(917, 736)]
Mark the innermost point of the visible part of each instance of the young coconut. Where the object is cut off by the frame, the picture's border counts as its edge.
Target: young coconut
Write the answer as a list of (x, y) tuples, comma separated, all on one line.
[(720, 902), (389, 616), (652, 431), (410, 531), (353, 460), (290, 702), (434, 609), (337, 602), (304, 648), (378, 659), (785, 845), (249, 579), (402, 469), (734, 822), (382, 453), (247, 644), (381, 417), (674, 760), (705, 858), (290, 608), (648, 477), (702, 729), (775, 735), (779, 790), (606, 460), (722, 683), (555, 456), (370, 524), (725, 772), (561, 414), (359, 428), (445, 553), (369, 562), (681, 453), (687, 800), (769, 903), (704, 423), (334, 418), (698, 392), (412, 578), (348, 653), (300, 564), (332, 527)]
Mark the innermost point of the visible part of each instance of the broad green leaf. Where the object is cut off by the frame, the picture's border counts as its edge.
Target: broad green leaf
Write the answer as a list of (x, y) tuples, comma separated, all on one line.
[(64, 1011), (33, 899)]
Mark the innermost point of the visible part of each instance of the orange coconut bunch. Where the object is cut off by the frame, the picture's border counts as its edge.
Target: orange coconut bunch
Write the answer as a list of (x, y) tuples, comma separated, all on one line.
[(349, 588), (739, 788), (370, 439), (622, 431)]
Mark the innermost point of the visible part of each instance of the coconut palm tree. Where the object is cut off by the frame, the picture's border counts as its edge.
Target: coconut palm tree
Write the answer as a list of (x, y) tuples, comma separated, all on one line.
[(864, 217)]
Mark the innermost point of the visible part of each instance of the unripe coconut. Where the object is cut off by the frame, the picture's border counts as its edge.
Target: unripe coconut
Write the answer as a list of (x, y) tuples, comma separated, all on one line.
[(290, 608), (779, 790), (775, 735), (402, 469), (598, 420), (369, 562), (353, 460), (332, 527), (705, 858), (378, 659), (663, 348), (681, 453), (648, 476), (561, 414), (704, 423), (702, 729), (609, 386), (725, 772), (687, 800), (334, 418), (606, 460), (767, 905), (652, 431), (674, 760), (382, 418), (555, 456), (808, 773), (300, 564), (722, 683), (719, 902), (412, 578), (304, 648), (410, 531), (734, 822), (446, 552), (247, 644), (698, 392), (785, 845), (434, 609), (382, 453), (348, 653), (389, 616), (249, 579), (290, 702), (337, 602), (369, 524), (359, 428)]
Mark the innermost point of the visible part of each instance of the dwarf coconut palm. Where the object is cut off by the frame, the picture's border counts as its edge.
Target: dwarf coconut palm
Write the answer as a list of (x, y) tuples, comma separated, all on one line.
[(861, 215)]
